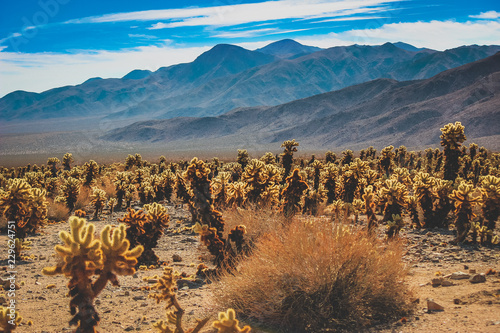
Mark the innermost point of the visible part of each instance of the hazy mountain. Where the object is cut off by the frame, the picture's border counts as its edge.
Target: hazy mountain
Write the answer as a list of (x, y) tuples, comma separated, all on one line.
[(409, 47), (379, 112), (288, 48), (224, 78)]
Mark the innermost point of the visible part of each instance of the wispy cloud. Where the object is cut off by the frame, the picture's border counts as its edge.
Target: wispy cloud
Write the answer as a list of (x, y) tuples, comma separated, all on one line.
[(228, 15), (438, 35), (491, 15)]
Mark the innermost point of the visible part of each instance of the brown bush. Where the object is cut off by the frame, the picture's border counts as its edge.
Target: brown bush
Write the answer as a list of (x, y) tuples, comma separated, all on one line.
[(83, 199), (57, 212), (314, 277)]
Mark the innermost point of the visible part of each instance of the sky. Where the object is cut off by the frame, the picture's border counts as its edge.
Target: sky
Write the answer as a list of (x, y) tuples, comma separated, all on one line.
[(50, 43)]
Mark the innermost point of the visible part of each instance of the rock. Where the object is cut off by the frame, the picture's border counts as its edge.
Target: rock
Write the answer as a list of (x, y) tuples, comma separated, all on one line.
[(472, 271), (433, 306), (457, 301), (138, 298), (459, 276), (437, 282), (492, 322), (127, 293), (129, 328), (478, 278), (176, 258), (447, 283)]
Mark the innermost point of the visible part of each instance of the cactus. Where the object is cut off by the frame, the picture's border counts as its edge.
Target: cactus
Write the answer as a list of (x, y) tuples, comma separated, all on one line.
[(166, 286), (330, 157), (292, 194), (67, 160), (287, 155), (90, 172), (220, 185), (347, 157), (329, 176), (181, 189), (370, 206), (442, 206), (386, 160), (146, 191), (237, 194), (228, 323), (464, 202), (392, 198), (268, 158), (69, 192), (452, 138), (312, 200), (412, 208), (254, 177), (490, 193), (98, 200), (111, 205), (394, 226), (214, 243), (201, 200), (423, 185), (52, 162), (167, 184), (84, 256), (9, 319)]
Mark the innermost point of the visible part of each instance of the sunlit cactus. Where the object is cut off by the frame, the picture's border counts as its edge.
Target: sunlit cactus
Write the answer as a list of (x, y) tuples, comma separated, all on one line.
[(90, 172), (146, 192), (386, 160), (268, 158), (394, 226), (452, 138), (52, 162), (37, 213), (121, 181), (112, 204), (140, 175), (370, 204), (490, 192), (464, 203), (69, 192), (442, 205), (9, 319), (228, 323), (135, 221), (336, 208), (357, 207), (292, 194), (290, 147), (329, 179), (243, 158), (412, 208), (270, 197), (237, 194), (67, 160), (201, 200), (317, 166), (181, 189), (84, 256), (402, 175), (392, 197), (220, 186), (98, 200), (255, 179), (51, 186), (214, 243), (347, 157), (167, 184), (423, 185), (166, 287), (330, 157), (351, 175)]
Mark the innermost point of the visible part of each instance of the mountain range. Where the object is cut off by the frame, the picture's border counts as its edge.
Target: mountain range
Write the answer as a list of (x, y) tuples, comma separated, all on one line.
[(378, 112), (327, 97)]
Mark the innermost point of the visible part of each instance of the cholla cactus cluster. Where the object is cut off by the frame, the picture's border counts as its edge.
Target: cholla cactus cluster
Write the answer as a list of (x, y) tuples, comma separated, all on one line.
[(83, 256)]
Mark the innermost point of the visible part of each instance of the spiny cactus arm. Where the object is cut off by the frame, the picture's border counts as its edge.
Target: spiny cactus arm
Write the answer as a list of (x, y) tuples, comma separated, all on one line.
[(162, 326), (81, 250), (228, 323), (8, 323)]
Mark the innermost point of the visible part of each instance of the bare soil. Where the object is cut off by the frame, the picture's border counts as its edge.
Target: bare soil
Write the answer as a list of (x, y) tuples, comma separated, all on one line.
[(43, 300)]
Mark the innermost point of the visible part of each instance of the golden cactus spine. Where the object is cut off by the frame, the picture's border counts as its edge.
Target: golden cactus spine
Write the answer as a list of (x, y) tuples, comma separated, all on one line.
[(227, 323)]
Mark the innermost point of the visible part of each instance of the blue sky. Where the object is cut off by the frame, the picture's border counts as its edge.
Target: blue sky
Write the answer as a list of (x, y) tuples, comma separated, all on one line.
[(50, 43)]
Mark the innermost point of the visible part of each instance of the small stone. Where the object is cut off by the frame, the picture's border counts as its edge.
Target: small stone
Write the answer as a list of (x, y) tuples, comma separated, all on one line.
[(176, 258), (466, 267), (472, 271), (129, 328), (457, 301), (478, 278), (127, 293), (437, 282), (459, 276), (447, 283), (433, 306), (138, 298)]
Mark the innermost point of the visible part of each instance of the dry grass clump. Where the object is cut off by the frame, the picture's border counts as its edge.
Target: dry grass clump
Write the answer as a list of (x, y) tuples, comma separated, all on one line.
[(257, 220), (314, 277), (83, 199), (57, 212)]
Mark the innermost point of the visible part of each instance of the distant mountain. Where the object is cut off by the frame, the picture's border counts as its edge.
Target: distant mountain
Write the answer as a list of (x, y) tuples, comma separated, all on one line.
[(224, 78), (288, 48), (379, 112), (411, 48)]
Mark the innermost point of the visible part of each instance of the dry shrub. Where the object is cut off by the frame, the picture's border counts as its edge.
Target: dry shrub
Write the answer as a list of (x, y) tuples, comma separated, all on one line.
[(57, 212), (83, 199), (315, 278), (106, 184), (258, 221)]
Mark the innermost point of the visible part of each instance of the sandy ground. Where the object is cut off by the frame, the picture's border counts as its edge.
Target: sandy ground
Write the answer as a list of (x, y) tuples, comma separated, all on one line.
[(468, 307)]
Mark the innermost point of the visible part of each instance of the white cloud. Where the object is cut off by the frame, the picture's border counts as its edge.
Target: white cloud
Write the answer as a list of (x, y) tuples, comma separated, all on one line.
[(491, 15), (38, 72), (228, 15), (438, 35)]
